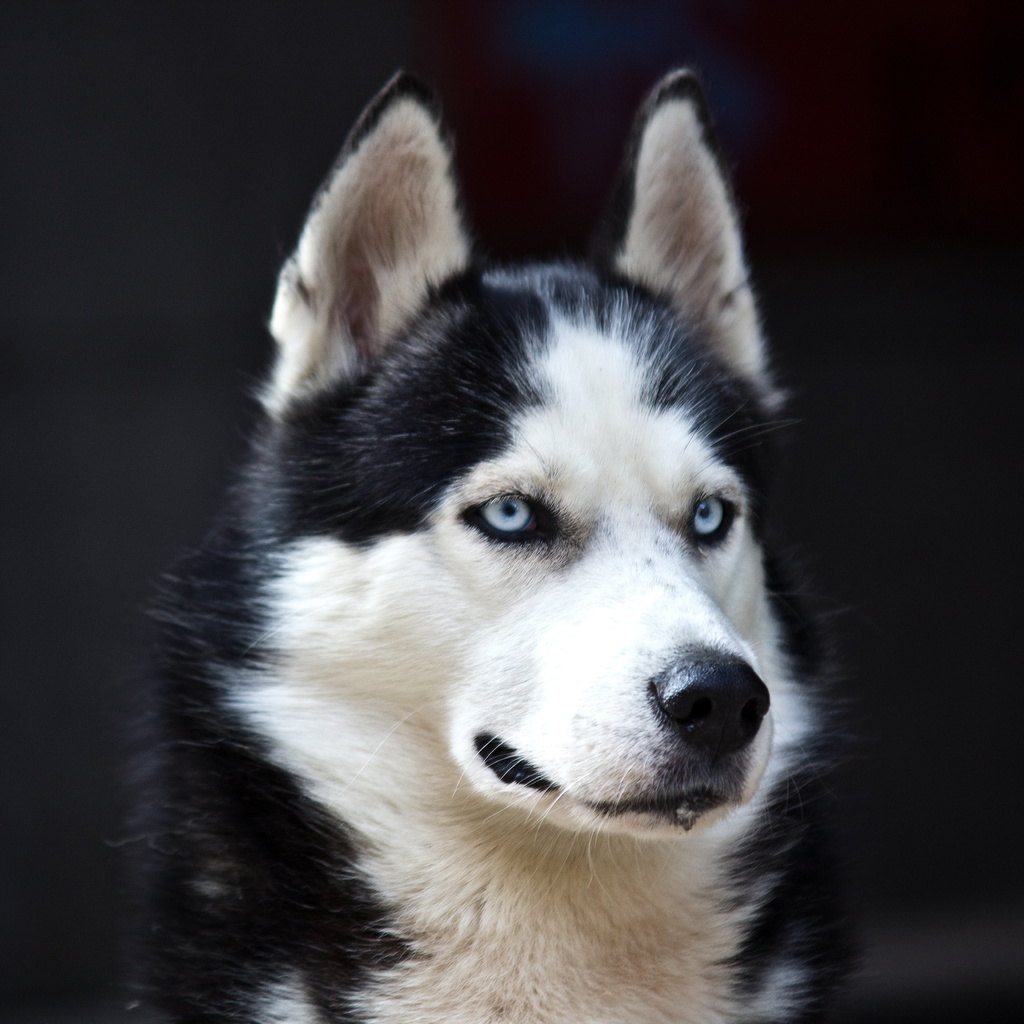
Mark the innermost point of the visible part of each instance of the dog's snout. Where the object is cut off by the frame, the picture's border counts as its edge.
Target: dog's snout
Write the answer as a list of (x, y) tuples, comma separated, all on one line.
[(717, 705)]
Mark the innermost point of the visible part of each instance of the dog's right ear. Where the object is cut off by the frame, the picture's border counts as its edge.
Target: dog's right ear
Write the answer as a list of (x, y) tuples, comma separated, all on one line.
[(384, 228)]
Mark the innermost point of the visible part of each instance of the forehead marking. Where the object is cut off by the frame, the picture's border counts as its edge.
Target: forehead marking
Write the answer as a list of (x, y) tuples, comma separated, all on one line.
[(595, 429)]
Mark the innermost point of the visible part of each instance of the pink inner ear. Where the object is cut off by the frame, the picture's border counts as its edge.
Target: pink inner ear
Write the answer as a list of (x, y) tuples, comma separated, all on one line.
[(386, 227), (388, 221), (358, 300)]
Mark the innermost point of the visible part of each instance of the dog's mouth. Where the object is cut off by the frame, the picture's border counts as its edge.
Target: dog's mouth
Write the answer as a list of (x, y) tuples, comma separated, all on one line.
[(509, 765), (682, 807)]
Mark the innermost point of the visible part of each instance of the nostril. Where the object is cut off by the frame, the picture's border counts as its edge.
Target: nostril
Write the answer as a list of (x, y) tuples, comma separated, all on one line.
[(754, 710), (702, 708)]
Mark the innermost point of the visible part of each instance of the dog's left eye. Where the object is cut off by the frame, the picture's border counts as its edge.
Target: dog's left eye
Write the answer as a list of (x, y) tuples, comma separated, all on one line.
[(509, 517), (712, 518)]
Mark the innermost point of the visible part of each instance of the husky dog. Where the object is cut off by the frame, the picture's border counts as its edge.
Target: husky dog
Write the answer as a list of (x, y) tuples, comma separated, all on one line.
[(484, 701)]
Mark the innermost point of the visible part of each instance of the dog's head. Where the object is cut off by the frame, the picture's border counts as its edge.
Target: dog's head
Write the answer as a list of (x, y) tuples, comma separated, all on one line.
[(518, 510)]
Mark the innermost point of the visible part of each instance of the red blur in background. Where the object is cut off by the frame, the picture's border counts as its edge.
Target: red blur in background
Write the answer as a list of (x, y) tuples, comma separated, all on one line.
[(880, 122)]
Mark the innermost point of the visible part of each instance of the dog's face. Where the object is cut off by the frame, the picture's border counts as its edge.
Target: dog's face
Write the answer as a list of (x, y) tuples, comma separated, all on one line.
[(616, 591), (519, 509)]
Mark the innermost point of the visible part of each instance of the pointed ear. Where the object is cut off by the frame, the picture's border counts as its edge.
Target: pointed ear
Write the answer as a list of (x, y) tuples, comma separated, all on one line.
[(384, 228), (673, 226)]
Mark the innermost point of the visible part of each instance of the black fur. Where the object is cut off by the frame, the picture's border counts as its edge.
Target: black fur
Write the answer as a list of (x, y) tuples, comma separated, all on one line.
[(805, 921), (245, 877), (370, 457), (802, 923)]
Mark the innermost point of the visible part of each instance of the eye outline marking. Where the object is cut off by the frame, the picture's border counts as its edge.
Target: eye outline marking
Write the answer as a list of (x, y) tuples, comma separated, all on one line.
[(717, 535), (540, 528)]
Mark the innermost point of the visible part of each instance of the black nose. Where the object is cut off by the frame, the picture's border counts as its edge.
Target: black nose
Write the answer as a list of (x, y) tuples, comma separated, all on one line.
[(717, 706)]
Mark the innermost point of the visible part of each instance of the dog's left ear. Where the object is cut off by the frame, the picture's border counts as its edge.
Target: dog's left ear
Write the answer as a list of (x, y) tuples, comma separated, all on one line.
[(384, 228), (673, 226)]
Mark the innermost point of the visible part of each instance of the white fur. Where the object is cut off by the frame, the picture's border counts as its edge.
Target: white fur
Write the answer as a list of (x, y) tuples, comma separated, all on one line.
[(781, 995), (286, 1002), (390, 659)]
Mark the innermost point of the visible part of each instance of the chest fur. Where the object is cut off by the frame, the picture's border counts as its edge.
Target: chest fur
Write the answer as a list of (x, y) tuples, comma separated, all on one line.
[(592, 939)]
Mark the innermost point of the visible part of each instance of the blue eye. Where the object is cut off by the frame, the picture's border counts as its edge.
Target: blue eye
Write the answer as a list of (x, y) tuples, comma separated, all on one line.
[(711, 519), (507, 514), (511, 517)]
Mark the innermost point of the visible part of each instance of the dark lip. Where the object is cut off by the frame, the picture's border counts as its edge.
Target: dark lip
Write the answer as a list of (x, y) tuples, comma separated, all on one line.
[(509, 765), (683, 807)]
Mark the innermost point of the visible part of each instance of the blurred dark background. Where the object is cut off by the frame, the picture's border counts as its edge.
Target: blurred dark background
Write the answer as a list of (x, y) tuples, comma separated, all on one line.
[(155, 164)]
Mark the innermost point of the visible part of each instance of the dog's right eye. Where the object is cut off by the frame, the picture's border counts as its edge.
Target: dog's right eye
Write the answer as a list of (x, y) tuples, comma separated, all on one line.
[(511, 517)]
